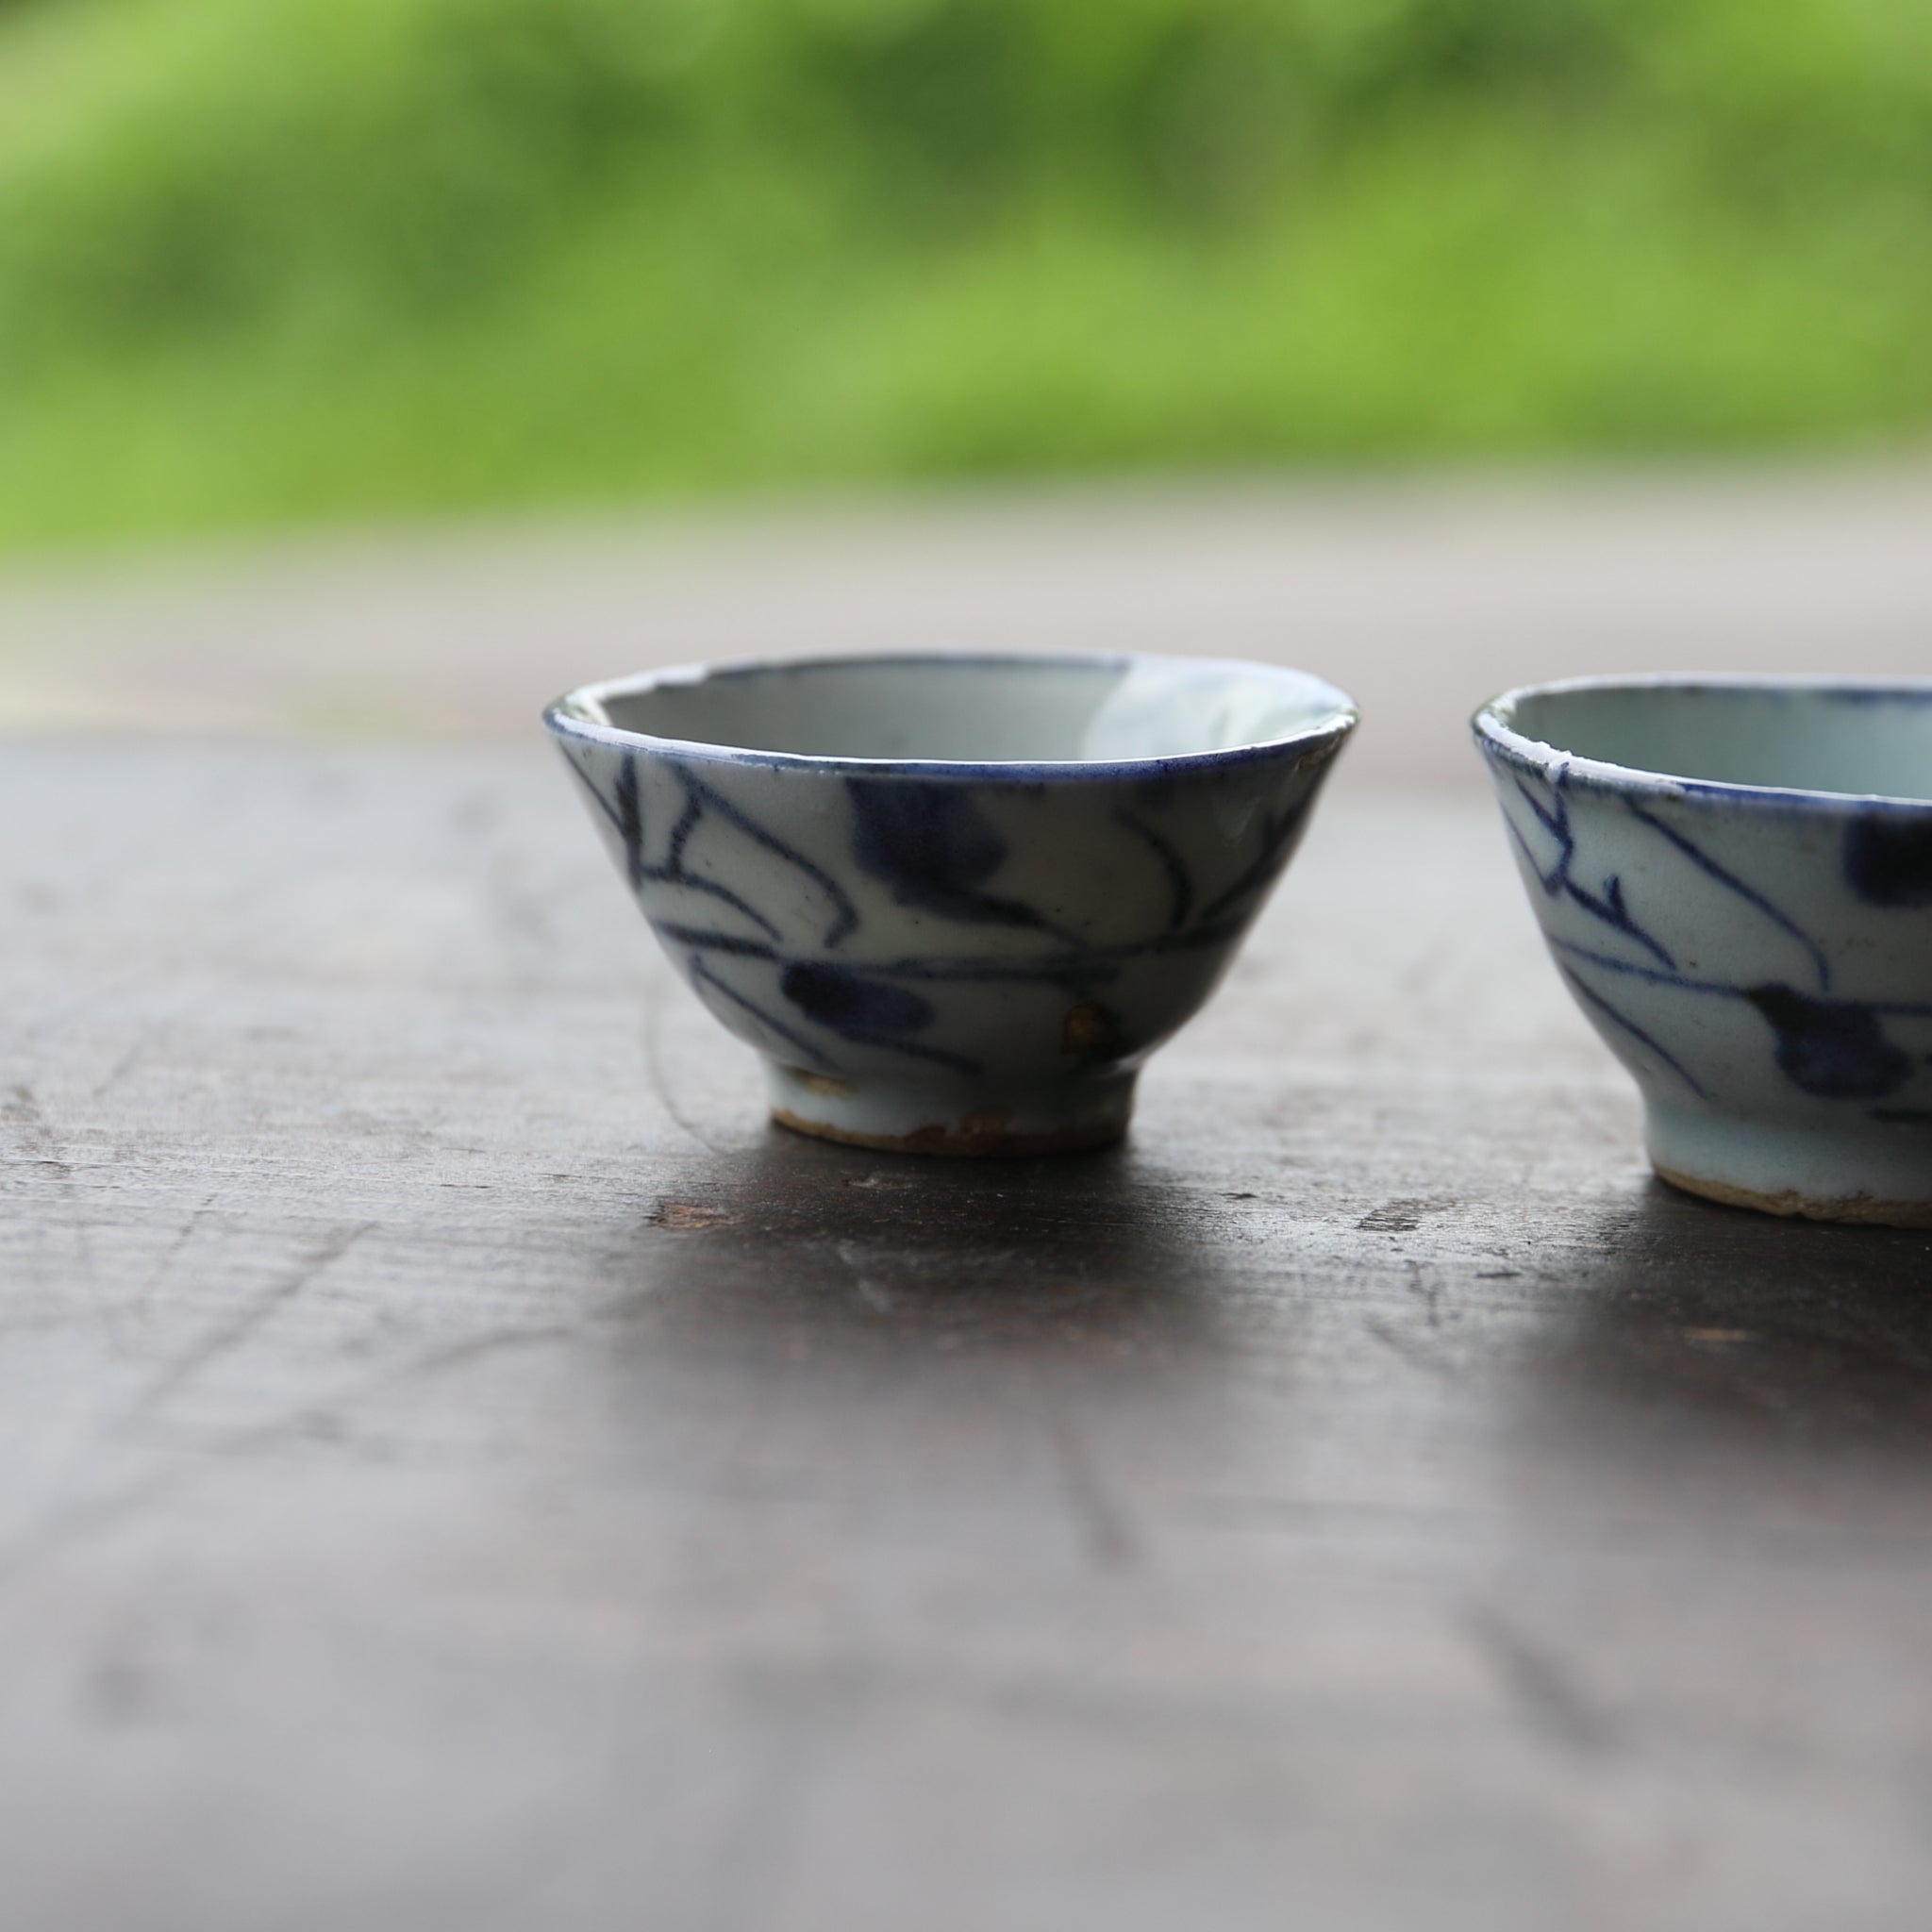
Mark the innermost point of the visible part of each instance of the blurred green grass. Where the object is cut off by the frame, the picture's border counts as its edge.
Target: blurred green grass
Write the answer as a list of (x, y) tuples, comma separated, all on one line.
[(263, 260)]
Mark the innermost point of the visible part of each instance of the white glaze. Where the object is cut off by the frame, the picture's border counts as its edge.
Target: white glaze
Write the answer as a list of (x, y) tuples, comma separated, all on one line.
[(953, 900), (1735, 878)]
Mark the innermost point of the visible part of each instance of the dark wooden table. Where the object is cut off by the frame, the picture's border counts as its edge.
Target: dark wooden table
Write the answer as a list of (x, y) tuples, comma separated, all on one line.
[(464, 1470)]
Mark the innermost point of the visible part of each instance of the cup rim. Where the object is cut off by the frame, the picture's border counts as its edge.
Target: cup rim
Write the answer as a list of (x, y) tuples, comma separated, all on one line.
[(1492, 731), (566, 717)]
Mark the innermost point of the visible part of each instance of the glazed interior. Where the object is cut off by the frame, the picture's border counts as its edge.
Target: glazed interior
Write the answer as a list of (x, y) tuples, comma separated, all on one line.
[(975, 710), (1858, 739)]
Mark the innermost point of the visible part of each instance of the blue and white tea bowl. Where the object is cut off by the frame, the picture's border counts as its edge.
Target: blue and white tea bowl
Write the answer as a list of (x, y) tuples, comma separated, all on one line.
[(953, 900), (1735, 878)]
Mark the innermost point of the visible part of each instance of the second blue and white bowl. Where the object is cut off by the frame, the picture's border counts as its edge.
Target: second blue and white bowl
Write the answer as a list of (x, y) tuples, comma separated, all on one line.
[(1735, 878)]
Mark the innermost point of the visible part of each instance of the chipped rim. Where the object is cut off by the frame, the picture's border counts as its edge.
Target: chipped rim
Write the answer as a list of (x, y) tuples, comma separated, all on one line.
[(1496, 733)]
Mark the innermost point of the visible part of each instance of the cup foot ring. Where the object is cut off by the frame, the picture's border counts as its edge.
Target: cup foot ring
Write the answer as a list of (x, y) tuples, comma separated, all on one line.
[(969, 1141), (1790, 1204)]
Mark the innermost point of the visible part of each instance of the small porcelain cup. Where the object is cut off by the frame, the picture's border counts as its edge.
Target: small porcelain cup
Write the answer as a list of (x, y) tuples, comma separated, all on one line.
[(1735, 878), (953, 900)]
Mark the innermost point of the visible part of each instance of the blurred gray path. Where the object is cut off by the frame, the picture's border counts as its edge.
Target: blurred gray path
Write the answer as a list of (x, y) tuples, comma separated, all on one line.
[(1422, 597)]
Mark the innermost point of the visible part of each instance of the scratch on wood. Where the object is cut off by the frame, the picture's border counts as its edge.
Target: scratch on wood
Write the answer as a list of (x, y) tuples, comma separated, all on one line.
[(872, 1291), (158, 1274), (232, 1334), (121, 1067), (1430, 1289), (1541, 1687), (95, 1514), (759, 1842), (1416, 1354), (457, 1355), (23, 1107), (686, 1216), (1109, 1538), (1397, 1217)]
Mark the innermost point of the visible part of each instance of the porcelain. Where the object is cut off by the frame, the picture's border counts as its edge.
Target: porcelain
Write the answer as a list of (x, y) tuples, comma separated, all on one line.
[(1735, 878), (953, 900)]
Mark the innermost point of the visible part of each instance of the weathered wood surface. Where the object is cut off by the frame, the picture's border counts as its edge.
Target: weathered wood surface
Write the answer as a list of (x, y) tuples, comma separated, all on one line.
[(463, 1469)]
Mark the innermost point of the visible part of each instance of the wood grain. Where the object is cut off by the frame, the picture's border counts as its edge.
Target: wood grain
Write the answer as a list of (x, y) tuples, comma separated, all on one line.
[(465, 1469)]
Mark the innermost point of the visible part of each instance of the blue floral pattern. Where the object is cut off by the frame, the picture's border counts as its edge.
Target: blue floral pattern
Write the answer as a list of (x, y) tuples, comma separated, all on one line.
[(807, 962), (1620, 944)]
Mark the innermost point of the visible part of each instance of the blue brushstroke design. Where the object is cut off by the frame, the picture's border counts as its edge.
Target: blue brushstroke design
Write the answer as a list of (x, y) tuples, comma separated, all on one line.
[(1729, 879), (837, 997), (702, 974), (846, 920), (631, 820), (1181, 887), (1098, 964), (1831, 1049), (1061, 966), (589, 784), (936, 849), (628, 821), (1897, 1009), (1651, 975), (1834, 1049), (1609, 907), (1052, 970), (1072, 972), (1887, 858), (1637, 1033), (869, 1012), (703, 938), (687, 824), (1278, 837), (859, 1009)]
